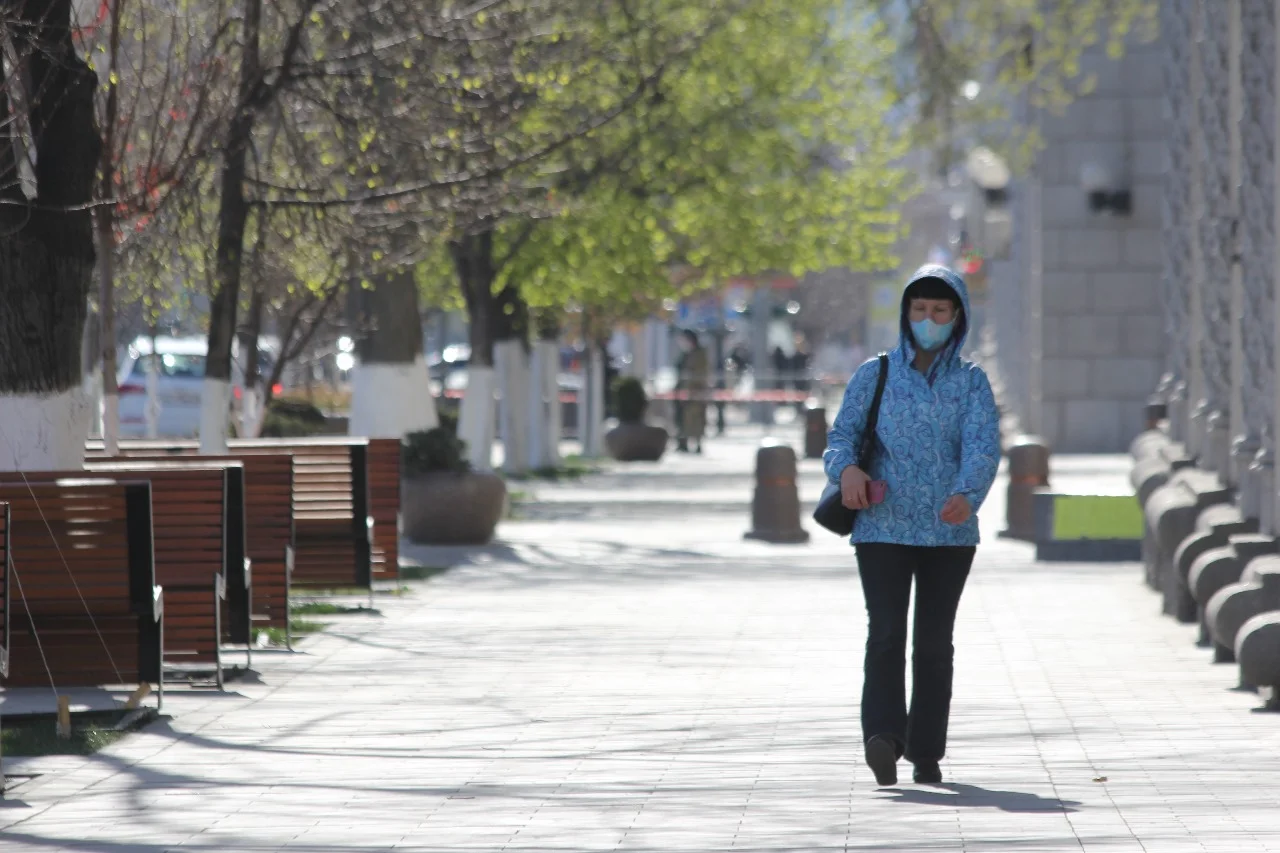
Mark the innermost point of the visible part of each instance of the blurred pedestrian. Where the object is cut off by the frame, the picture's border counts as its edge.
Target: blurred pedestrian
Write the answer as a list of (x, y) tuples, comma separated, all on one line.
[(935, 454), (801, 362), (693, 370)]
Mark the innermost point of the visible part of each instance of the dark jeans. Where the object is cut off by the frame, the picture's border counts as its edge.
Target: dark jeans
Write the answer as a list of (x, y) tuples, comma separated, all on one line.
[(886, 572)]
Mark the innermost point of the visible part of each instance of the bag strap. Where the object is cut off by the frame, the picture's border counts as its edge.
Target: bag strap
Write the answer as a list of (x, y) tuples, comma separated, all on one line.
[(873, 416)]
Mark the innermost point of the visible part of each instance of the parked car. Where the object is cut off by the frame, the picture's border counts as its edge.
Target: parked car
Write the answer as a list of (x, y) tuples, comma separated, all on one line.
[(448, 368), (180, 377)]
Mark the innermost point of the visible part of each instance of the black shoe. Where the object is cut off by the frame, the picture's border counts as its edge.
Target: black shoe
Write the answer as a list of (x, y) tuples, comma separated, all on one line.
[(927, 773), (882, 758)]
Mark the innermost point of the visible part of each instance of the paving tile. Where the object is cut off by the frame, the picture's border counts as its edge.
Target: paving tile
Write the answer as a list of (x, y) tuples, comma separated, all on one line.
[(625, 672)]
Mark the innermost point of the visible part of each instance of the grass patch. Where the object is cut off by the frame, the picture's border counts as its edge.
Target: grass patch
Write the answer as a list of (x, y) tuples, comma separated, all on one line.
[(90, 732), (353, 592), (337, 591), (299, 628), (302, 627), (420, 573), (325, 608), (570, 468)]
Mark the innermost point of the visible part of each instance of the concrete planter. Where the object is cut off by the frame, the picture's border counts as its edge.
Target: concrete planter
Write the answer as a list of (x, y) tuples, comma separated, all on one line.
[(636, 442), (452, 509)]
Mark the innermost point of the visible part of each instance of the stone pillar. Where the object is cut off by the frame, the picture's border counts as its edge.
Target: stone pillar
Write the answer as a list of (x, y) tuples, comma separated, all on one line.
[(1212, 196), (1244, 441), (1197, 405), (1257, 643), (1271, 505), (1257, 252), (1175, 28)]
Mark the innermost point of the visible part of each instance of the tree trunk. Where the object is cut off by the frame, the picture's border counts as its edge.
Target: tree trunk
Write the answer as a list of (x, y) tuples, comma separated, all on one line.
[(592, 409), (106, 222), (152, 413), (107, 332), (473, 261), (511, 356), (91, 351), (391, 393), (545, 420), (515, 394), (251, 397), (46, 250), (233, 219)]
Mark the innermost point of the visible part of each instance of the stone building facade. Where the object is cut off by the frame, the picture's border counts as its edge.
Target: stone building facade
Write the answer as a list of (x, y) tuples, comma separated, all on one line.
[(1205, 473), (1076, 321)]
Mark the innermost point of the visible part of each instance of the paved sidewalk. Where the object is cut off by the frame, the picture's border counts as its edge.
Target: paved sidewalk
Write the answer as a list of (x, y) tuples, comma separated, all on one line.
[(627, 674)]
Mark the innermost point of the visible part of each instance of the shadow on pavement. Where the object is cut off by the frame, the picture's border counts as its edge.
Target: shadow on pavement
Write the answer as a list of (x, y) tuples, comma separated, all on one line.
[(974, 797)]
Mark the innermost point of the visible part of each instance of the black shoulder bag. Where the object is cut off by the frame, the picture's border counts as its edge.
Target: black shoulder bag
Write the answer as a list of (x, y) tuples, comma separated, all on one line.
[(831, 512)]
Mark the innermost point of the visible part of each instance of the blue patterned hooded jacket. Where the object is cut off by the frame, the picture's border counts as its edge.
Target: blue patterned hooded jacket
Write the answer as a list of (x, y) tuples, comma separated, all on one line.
[(938, 436)]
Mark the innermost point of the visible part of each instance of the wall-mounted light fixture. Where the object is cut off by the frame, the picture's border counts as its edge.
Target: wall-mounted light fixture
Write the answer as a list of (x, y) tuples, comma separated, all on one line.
[(1102, 191), (991, 174)]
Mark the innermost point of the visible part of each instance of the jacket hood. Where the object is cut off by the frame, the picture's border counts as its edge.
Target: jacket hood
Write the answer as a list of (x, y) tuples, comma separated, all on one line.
[(953, 280)]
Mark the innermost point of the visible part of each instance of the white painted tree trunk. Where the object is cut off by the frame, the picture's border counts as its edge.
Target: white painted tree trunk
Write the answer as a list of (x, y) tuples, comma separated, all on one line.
[(251, 413), (555, 414), (95, 399), (539, 409), (514, 381), (110, 423), (476, 417), (44, 432), (215, 411), (592, 411), (152, 412), (544, 406), (391, 400)]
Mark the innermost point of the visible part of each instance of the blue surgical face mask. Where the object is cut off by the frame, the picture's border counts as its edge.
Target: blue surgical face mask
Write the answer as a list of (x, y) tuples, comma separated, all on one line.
[(931, 336)]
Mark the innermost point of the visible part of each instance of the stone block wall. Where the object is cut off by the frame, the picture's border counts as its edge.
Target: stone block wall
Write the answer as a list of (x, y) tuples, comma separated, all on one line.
[(1102, 323)]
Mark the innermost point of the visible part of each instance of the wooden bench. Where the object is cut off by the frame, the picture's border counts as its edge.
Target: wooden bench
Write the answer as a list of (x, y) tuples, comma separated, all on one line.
[(85, 608), (332, 537), (198, 521), (331, 522), (268, 499), (173, 545), (384, 507)]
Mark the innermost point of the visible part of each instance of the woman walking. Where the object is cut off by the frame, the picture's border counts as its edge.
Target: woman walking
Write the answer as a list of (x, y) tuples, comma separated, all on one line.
[(936, 451)]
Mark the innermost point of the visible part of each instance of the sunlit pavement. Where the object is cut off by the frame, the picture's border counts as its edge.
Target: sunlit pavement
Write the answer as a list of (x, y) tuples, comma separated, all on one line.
[(624, 672)]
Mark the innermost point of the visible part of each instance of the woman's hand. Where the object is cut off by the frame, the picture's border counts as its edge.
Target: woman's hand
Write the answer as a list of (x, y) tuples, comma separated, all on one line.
[(853, 488), (956, 510)]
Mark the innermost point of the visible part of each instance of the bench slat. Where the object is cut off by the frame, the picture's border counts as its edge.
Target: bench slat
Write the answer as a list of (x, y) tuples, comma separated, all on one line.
[(111, 564)]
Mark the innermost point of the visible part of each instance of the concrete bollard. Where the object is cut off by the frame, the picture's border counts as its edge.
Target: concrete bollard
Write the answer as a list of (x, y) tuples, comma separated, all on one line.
[(1028, 472), (1235, 604), (1157, 410), (775, 508), (815, 432), (1213, 528), (1172, 512), (1220, 567), (1258, 652)]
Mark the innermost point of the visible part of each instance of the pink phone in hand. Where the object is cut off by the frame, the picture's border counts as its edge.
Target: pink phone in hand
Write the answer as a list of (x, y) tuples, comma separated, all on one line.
[(876, 491)]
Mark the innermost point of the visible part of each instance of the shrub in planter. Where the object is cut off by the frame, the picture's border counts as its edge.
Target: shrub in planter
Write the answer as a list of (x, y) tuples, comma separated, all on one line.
[(633, 440), (443, 501)]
